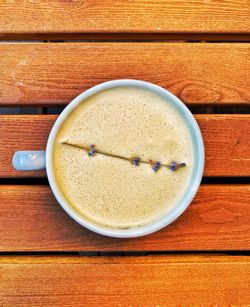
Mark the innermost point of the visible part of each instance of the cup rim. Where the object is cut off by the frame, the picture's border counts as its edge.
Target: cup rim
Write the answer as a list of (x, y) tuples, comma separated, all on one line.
[(166, 219)]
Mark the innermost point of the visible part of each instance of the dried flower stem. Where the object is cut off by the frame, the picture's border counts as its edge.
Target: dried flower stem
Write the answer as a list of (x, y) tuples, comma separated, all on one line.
[(155, 165)]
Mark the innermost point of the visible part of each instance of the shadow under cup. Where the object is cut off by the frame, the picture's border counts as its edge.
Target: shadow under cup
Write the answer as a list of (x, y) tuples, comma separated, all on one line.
[(192, 187)]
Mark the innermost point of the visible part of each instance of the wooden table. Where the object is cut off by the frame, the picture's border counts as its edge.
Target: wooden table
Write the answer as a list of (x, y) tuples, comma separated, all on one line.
[(53, 50)]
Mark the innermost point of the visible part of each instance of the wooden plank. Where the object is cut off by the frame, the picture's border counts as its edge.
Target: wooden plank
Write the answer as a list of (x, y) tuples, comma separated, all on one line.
[(125, 281), (227, 144), (124, 17), (54, 73), (32, 220), (226, 138)]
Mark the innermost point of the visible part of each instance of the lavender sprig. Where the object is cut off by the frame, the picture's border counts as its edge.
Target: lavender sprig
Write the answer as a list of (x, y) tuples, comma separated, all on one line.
[(155, 165), (173, 166), (92, 150), (135, 160)]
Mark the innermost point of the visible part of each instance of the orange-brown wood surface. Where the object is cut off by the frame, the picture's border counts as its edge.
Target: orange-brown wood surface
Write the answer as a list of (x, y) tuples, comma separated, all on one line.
[(54, 73), (226, 138), (125, 281), (32, 220), (167, 42), (124, 16)]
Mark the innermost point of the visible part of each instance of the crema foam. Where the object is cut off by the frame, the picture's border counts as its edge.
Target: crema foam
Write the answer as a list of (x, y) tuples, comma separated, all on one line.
[(112, 192)]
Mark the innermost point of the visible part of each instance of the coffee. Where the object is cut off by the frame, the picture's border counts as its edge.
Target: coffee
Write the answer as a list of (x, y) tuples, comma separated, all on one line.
[(124, 122)]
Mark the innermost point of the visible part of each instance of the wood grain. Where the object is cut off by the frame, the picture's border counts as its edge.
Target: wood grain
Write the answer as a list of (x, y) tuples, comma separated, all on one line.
[(125, 281), (124, 17), (226, 138), (54, 73), (32, 220)]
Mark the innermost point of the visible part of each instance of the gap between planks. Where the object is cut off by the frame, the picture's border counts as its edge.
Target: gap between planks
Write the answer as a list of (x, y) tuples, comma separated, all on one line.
[(126, 37)]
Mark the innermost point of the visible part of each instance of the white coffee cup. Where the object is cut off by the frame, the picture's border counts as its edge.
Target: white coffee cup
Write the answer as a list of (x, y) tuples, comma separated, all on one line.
[(35, 160)]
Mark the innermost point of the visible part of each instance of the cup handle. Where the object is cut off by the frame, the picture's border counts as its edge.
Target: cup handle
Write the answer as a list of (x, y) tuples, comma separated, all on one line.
[(29, 160)]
